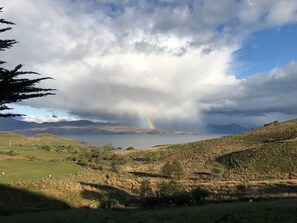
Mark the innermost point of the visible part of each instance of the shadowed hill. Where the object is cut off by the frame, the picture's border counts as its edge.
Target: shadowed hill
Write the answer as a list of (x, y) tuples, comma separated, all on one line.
[(15, 201)]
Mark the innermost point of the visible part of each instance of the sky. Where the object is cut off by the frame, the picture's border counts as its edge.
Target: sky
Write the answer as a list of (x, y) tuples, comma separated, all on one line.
[(174, 64)]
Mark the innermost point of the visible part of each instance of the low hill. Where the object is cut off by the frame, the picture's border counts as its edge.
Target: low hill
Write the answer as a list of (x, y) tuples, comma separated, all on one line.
[(225, 129)]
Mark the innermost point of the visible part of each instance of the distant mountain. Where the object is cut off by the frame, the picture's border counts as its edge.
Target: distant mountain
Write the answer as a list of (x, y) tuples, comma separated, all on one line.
[(78, 127), (10, 124), (225, 129)]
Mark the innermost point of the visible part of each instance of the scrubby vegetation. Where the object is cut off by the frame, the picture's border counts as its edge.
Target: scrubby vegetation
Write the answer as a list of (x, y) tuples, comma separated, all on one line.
[(257, 165), (172, 169), (173, 194)]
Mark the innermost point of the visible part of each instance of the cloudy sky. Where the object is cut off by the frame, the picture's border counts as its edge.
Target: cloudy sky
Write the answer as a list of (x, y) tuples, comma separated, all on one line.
[(179, 63)]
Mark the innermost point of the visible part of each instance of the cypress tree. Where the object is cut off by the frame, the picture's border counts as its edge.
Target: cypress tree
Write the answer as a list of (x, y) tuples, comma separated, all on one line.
[(14, 86)]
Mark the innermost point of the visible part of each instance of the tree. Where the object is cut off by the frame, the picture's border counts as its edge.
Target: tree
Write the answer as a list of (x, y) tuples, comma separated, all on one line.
[(14, 87)]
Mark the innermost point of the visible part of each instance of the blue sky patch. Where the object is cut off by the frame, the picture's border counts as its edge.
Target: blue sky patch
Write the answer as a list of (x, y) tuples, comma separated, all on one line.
[(267, 49)]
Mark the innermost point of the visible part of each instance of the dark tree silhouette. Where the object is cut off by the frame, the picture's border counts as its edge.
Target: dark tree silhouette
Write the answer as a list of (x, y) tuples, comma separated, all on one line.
[(14, 87)]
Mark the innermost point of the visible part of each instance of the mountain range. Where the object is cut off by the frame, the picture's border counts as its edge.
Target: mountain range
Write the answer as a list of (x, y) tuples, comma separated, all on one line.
[(79, 127), (89, 127)]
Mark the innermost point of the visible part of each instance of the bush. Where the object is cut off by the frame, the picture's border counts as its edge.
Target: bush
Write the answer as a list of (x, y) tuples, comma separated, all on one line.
[(32, 158), (109, 203), (11, 153), (169, 188), (131, 148), (173, 169), (145, 189), (271, 123), (199, 195), (217, 172), (46, 147), (115, 166), (172, 194)]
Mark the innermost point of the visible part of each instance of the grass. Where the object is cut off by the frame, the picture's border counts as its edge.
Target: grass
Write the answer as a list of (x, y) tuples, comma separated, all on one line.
[(37, 153), (273, 132), (269, 160), (284, 211), (23, 159), (24, 170), (9, 140)]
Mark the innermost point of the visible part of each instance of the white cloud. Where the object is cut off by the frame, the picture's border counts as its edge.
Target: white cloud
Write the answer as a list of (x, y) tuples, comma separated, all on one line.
[(271, 92), (42, 119), (283, 12), (126, 61)]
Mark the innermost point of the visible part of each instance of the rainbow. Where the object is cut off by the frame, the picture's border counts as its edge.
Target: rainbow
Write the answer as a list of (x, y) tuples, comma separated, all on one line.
[(149, 122)]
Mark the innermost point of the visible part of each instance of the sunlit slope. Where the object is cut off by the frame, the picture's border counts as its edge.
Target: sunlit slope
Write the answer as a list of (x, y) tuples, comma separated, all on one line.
[(25, 158), (269, 152)]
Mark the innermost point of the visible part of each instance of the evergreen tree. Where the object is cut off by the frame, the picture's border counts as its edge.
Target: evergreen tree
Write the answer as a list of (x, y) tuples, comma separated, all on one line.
[(14, 87)]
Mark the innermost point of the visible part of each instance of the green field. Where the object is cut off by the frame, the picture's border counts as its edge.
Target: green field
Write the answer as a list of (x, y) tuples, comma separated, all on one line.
[(26, 158), (13, 171)]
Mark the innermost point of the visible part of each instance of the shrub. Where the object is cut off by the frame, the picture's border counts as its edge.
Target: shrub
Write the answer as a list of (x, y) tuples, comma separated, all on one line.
[(45, 147), (115, 166), (166, 169), (11, 153), (145, 189), (217, 172), (169, 188), (173, 169), (271, 123), (131, 148), (199, 195), (172, 194), (109, 203)]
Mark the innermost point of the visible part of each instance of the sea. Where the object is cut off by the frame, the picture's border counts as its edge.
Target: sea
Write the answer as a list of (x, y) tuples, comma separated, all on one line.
[(138, 141)]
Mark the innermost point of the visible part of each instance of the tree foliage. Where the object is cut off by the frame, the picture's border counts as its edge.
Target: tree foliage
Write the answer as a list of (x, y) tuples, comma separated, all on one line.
[(14, 86)]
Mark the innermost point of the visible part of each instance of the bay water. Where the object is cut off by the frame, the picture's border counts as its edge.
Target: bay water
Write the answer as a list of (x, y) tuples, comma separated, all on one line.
[(138, 141)]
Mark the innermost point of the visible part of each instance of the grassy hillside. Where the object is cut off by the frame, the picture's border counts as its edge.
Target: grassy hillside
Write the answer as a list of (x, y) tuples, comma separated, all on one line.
[(260, 165), (264, 153), (14, 171), (28, 158)]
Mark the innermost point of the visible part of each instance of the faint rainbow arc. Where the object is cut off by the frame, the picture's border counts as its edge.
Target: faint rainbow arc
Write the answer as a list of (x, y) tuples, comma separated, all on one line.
[(149, 122)]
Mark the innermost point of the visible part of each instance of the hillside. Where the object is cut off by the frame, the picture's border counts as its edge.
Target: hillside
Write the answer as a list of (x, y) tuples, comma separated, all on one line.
[(263, 153), (259, 164), (225, 129)]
